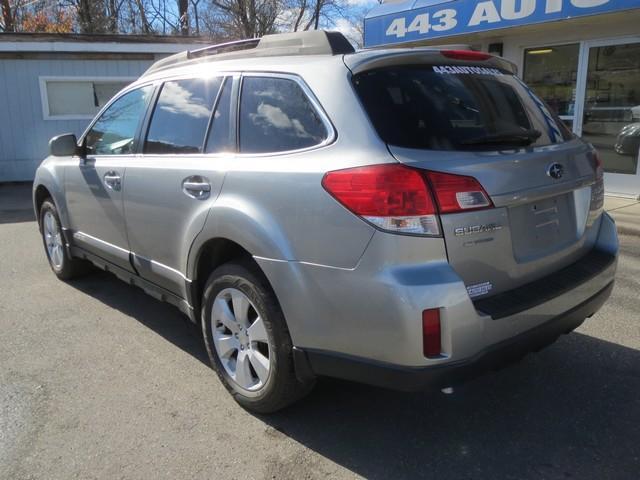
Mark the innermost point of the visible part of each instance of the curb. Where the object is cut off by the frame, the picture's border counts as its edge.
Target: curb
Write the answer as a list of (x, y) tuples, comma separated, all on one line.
[(627, 230)]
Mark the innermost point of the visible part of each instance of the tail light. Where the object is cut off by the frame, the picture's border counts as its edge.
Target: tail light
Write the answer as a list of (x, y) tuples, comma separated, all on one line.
[(597, 190), (598, 165), (391, 196), (400, 199), (470, 55), (431, 333), (457, 193)]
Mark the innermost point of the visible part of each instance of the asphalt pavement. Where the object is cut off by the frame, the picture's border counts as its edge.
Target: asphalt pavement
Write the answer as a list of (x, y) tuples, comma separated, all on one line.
[(98, 380)]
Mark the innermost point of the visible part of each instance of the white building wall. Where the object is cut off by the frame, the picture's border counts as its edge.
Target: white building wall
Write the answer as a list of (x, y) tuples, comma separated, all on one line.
[(24, 133)]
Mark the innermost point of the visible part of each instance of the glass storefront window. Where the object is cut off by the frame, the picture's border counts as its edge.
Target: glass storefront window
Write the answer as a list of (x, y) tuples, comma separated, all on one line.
[(551, 72), (612, 106)]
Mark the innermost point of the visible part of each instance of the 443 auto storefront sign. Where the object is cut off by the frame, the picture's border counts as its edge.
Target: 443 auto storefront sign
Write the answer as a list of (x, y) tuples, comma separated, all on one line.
[(421, 19)]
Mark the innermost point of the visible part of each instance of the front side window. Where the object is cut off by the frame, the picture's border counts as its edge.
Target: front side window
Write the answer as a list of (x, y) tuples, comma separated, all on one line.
[(115, 131), (277, 116), (442, 107), (181, 116)]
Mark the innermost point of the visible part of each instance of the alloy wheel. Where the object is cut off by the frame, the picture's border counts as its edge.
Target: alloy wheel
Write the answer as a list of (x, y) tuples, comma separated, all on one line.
[(53, 239), (240, 339)]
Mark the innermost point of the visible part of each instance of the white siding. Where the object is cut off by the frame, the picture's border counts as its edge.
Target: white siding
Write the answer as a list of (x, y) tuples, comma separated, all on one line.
[(24, 134)]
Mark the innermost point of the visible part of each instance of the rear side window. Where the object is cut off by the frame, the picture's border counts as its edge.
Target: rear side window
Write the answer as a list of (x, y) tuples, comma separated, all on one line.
[(277, 116), (181, 116), (455, 108)]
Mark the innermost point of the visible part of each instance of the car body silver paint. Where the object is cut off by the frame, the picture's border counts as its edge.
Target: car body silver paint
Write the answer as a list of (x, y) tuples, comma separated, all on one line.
[(338, 278), (380, 303)]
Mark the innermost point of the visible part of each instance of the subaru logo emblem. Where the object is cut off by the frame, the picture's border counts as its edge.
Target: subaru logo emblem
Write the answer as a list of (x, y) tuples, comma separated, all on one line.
[(555, 170)]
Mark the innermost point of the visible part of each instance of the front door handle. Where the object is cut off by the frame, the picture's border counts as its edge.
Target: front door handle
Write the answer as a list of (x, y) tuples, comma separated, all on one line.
[(113, 180), (196, 187)]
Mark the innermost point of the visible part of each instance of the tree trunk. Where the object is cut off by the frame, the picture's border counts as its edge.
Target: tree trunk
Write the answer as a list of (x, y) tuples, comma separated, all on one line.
[(7, 16), (183, 13), (144, 22), (114, 14)]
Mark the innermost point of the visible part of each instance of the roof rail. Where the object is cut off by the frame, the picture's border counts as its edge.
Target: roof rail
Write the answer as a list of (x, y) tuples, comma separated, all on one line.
[(223, 47), (316, 42)]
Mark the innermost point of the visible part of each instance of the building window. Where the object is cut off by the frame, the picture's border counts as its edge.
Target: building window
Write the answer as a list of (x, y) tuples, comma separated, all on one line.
[(551, 72), (77, 98)]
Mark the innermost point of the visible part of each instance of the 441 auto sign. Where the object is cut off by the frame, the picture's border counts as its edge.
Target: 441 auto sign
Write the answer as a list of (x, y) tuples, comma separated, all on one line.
[(420, 19)]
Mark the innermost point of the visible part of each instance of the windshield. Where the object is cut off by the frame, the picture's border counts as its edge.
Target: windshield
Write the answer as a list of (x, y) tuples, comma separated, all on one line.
[(455, 108)]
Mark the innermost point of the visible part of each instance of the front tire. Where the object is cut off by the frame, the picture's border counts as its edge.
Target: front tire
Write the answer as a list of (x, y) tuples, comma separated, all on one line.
[(63, 265), (247, 339)]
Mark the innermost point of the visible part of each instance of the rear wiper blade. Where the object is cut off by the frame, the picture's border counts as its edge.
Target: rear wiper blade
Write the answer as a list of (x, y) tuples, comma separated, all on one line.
[(520, 137)]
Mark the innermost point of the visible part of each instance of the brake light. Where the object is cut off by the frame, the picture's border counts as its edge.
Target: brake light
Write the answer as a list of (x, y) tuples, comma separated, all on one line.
[(431, 333), (598, 165), (391, 196), (457, 193), (400, 199), (465, 55), (597, 189)]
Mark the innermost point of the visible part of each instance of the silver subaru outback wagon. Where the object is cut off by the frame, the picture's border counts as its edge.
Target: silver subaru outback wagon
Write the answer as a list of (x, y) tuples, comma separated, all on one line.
[(407, 218)]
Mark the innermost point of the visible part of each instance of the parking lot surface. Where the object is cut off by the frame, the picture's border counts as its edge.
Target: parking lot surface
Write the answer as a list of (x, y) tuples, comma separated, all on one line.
[(98, 380)]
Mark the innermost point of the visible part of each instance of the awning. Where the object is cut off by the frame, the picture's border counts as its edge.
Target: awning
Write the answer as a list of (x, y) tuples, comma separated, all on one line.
[(412, 20)]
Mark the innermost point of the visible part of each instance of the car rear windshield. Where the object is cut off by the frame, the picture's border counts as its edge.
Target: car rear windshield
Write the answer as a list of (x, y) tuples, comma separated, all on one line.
[(443, 107)]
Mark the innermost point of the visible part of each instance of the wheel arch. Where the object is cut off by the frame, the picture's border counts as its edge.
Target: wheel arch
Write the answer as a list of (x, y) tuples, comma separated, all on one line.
[(209, 256), (40, 194), (48, 183)]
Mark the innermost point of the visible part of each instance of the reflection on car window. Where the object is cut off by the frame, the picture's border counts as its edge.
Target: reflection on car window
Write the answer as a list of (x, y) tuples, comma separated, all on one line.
[(181, 116), (276, 116), (115, 130), (441, 108), (220, 134)]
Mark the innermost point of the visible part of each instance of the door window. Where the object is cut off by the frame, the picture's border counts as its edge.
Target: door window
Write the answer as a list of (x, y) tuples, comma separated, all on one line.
[(221, 131), (277, 116), (612, 106), (115, 131), (551, 73), (181, 116)]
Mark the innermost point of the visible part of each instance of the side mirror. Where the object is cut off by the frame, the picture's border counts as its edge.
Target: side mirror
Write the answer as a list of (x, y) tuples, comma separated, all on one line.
[(64, 145)]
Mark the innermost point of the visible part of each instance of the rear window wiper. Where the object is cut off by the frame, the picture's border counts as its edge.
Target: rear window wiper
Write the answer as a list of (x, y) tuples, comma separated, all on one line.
[(520, 137)]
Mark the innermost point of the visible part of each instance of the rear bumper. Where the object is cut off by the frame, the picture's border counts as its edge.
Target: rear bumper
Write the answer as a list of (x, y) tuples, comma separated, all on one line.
[(374, 310), (317, 362)]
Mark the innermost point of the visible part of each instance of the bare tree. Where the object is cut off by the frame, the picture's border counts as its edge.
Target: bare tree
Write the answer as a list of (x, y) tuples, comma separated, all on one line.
[(196, 16), (243, 18), (8, 16), (90, 15), (309, 14), (145, 26), (183, 15)]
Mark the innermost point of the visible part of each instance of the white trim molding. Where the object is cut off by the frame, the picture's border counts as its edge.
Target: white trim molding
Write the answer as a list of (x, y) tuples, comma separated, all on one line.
[(95, 47), (44, 95)]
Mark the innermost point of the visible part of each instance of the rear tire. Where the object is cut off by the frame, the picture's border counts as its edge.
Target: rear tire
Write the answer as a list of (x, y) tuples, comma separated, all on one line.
[(63, 265), (247, 339)]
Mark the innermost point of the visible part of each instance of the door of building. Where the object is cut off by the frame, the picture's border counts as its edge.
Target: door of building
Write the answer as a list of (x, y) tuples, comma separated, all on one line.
[(608, 109)]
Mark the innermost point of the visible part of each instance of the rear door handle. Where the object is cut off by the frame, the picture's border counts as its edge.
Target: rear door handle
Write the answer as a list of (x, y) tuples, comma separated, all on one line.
[(196, 187), (113, 180)]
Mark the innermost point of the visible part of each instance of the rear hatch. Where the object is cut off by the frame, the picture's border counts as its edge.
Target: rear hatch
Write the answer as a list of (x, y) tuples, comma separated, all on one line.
[(458, 115)]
